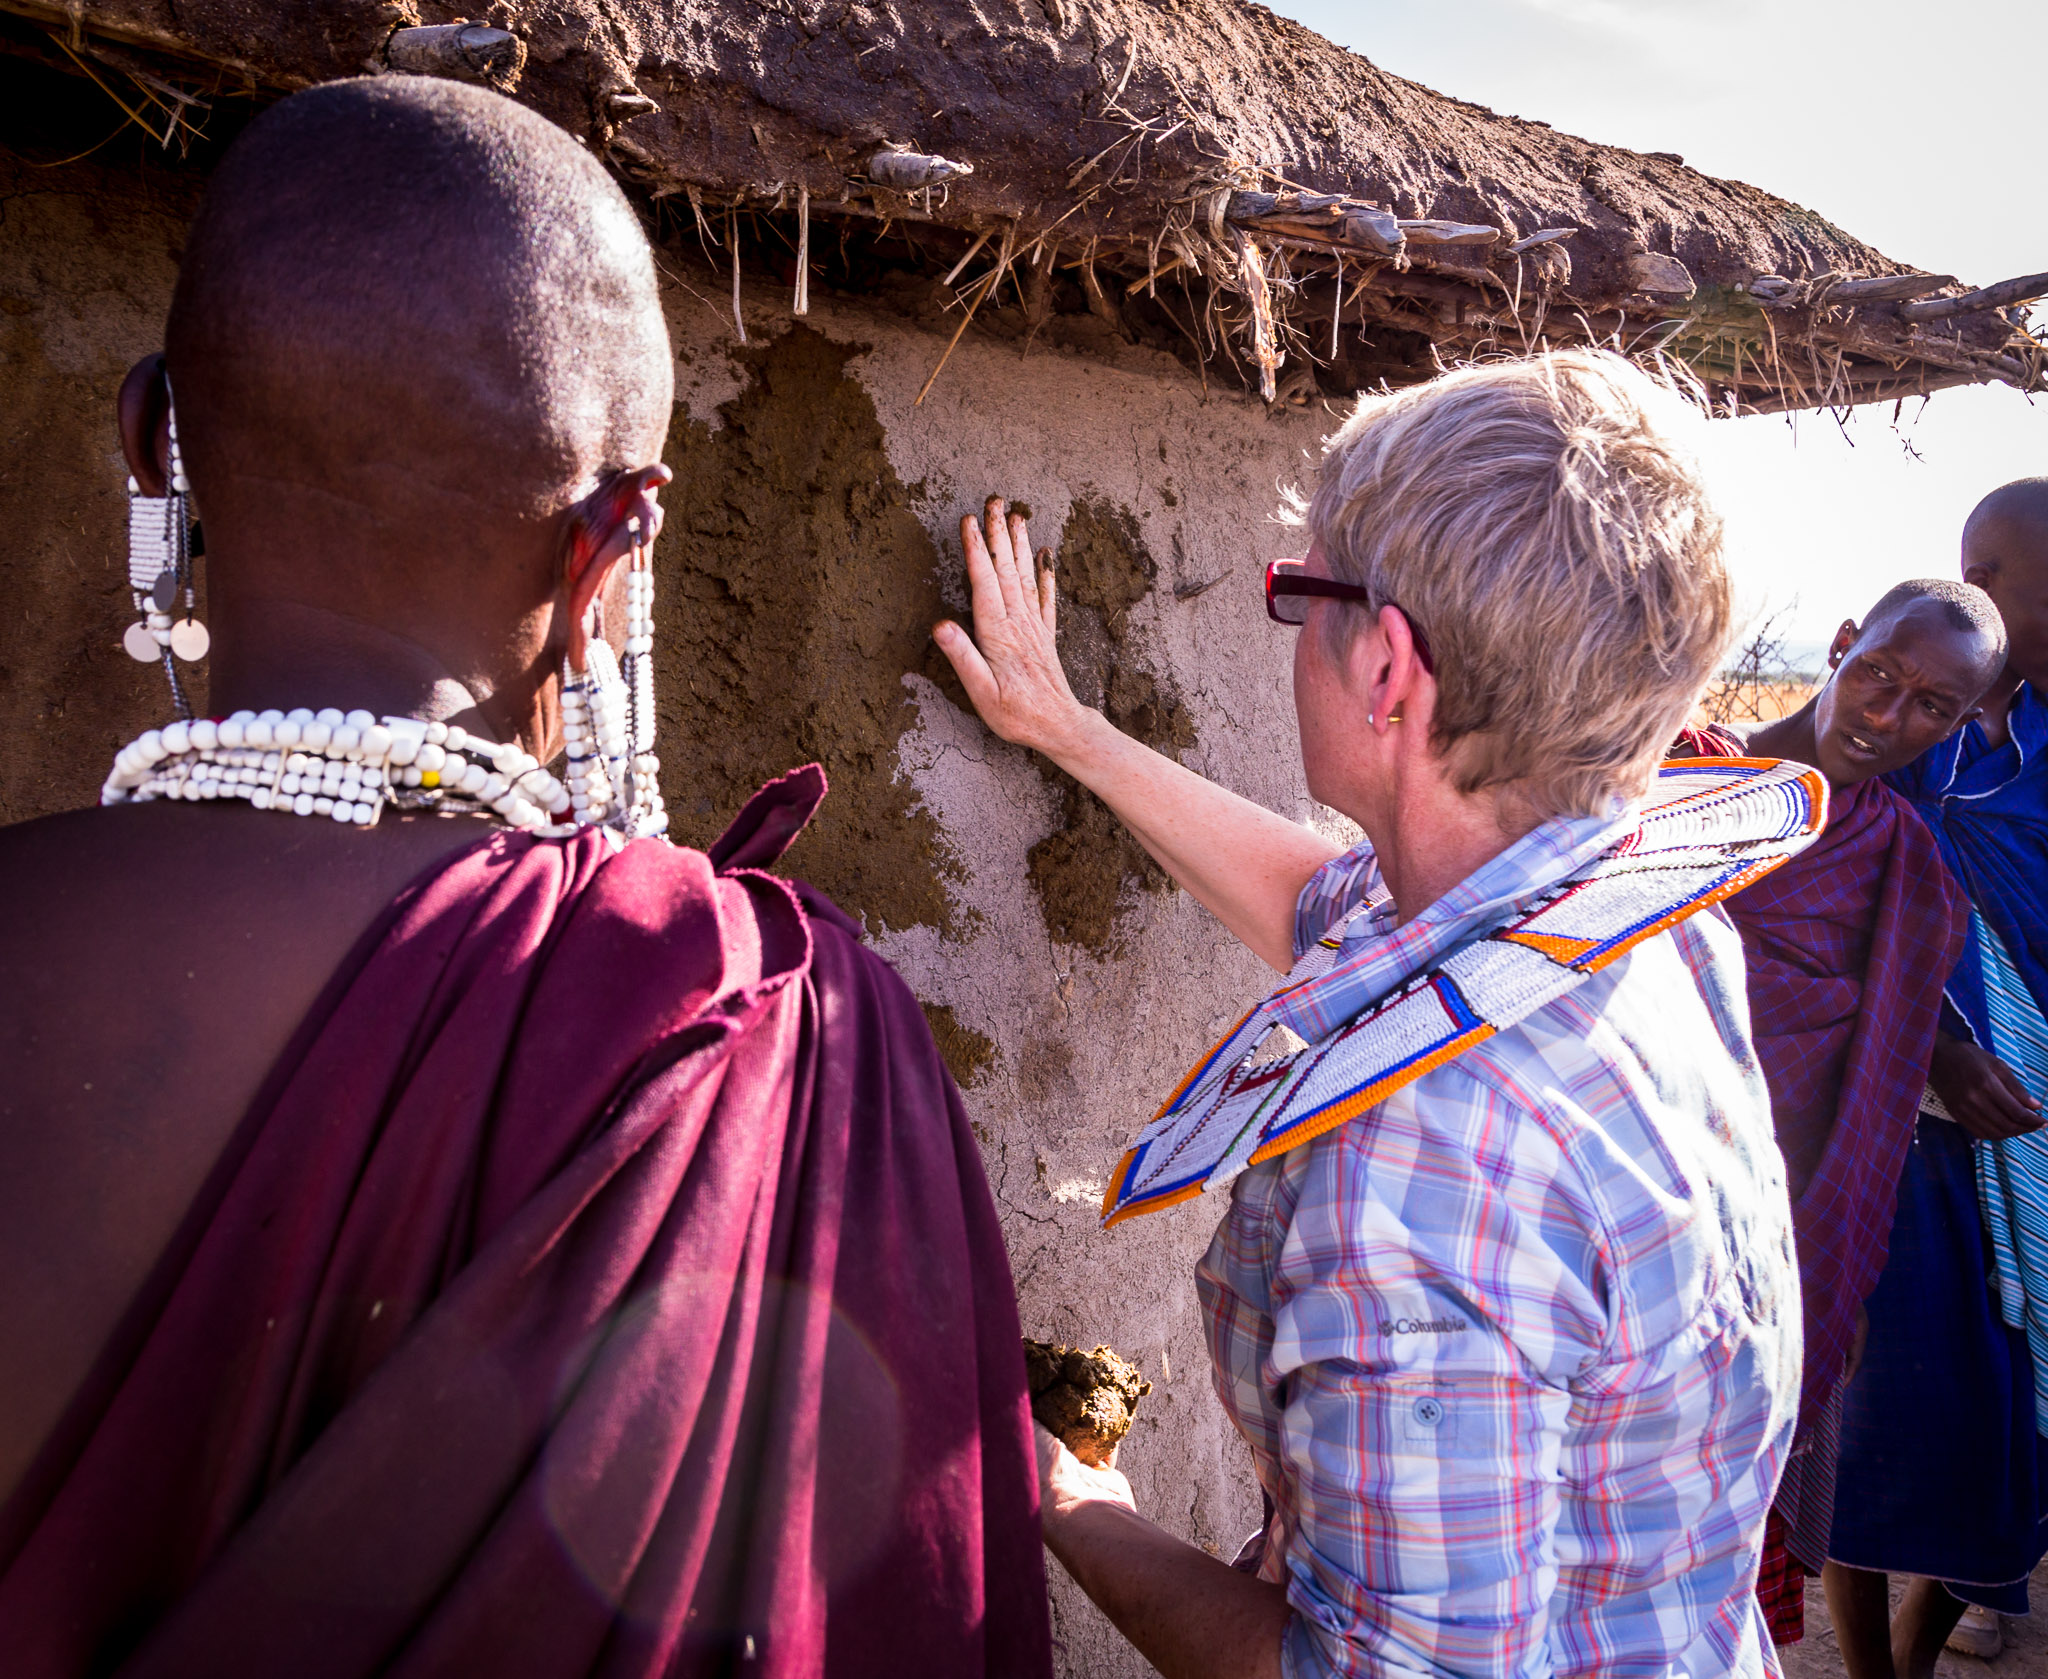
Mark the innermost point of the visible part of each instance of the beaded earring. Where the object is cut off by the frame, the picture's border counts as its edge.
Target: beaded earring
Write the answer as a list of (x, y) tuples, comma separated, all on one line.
[(160, 555), (608, 716)]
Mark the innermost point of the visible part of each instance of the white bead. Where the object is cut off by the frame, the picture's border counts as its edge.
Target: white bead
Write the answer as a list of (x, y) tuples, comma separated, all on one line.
[(432, 757), (559, 801), (404, 749), (151, 746), (288, 733), (303, 804), (205, 734), (376, 742), (360, 721), (455, 739), (437, 733), (259, 733), (323, 806), (410, 775), (347, 738), (299, 715), (290, 783), (315, 735), (260, 798), (342, 810), (328, 715), (473, 778)]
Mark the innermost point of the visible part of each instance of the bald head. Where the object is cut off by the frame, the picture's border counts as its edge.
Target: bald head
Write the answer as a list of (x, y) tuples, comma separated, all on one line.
[(2019, 508), (407, 279), (2005, 553), (1977, 633)]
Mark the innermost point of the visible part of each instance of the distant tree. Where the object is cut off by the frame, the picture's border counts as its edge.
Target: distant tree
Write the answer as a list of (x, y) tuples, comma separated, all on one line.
[(1752, 687)]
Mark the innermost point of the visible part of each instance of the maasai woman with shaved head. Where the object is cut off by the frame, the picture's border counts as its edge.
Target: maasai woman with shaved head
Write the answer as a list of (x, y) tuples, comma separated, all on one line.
[(1503, 1301), (444, 1229)]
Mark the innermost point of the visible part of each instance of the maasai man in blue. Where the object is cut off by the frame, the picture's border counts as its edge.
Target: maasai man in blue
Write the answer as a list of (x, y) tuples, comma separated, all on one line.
[(1943, 1470)]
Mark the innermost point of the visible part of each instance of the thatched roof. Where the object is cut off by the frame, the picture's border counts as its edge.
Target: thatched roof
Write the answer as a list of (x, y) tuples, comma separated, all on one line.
[(1198, 162)]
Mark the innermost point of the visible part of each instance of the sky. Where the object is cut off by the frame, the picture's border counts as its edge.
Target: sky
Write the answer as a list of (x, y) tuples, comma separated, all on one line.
[(1889, 119)]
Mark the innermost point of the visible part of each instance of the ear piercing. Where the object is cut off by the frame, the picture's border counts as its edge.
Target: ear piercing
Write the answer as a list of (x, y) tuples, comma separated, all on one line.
[(608, 716), (159, 570)]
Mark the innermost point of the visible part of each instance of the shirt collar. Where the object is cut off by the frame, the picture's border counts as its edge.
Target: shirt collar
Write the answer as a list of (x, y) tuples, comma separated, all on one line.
[(1372, 956)]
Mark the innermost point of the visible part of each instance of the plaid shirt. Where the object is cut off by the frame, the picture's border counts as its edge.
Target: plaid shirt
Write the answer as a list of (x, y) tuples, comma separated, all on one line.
[(1517, 1352)]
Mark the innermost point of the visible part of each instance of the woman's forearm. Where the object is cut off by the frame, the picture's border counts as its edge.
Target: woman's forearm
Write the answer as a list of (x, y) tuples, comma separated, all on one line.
[(1189, 1615), (1243, 863)]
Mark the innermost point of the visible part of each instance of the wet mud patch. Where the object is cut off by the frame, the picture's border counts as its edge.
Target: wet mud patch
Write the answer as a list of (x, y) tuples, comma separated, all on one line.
[(1087, 1399), (797, 587), (968, 1055), (1086, 868)]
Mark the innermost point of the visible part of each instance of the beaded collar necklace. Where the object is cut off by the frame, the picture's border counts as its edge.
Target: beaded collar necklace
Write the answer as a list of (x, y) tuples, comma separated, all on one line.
[(349, 766)]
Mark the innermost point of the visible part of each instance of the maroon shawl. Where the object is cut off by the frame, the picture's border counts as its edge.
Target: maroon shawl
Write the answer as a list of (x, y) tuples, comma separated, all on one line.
[(605, 1284), (1848, 947)]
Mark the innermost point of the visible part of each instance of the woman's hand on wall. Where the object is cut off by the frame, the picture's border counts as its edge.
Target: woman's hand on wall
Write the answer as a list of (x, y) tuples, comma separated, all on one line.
[(1010, 666), (1246, 865)]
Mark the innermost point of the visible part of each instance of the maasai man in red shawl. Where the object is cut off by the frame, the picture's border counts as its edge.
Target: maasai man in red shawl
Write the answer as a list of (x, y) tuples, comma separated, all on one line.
[(1847, 946), (444, 1228)]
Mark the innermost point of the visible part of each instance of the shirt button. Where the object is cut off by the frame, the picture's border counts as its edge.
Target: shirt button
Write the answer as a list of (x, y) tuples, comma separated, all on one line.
[(1429, 1412)]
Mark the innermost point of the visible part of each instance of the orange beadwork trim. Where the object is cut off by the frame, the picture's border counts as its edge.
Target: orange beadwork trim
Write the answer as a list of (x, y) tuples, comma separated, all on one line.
[(1306, 1131)]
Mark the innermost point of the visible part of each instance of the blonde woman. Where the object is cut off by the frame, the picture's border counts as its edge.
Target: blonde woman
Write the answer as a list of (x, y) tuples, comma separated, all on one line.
[(1503, 1300)]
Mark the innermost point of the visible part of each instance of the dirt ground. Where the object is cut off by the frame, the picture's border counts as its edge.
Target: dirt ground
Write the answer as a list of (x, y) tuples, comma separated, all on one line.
[(2025, 1655)]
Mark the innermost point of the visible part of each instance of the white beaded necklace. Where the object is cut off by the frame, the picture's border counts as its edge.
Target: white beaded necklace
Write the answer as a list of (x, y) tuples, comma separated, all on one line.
[(345, 766), (350, 766)]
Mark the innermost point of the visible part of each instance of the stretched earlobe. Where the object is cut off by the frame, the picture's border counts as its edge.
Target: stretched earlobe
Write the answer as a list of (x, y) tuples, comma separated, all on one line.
[(143, 412), (620, 516)]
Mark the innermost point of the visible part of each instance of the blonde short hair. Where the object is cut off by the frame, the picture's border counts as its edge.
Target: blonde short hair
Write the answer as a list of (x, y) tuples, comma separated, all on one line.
[(1541, 524)]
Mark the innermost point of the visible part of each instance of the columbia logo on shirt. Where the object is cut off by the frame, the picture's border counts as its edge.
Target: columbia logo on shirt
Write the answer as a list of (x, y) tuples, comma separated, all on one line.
[(1422, 1326)]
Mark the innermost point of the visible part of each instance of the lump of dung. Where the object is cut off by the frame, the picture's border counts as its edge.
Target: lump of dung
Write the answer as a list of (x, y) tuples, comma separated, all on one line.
[(1087, 1399)]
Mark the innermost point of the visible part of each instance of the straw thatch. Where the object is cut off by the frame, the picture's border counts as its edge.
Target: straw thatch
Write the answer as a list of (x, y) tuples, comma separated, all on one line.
[(1197, 173)]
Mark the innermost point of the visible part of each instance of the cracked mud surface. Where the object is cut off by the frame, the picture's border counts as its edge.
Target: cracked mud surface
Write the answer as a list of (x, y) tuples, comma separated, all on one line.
[(969, 1056)]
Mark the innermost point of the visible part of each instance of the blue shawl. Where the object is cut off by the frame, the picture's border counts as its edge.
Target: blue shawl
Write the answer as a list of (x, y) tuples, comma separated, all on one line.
[(1988, 808)]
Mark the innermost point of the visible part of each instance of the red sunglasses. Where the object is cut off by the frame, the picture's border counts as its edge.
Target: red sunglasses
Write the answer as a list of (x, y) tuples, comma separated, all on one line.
[(1289, 589)]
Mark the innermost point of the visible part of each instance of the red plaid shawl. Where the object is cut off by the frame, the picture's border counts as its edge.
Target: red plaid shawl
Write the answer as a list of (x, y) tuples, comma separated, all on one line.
[(1848, 947)]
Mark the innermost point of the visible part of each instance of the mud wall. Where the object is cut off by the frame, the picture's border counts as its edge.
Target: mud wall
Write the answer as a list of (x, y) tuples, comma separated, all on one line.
[(810, 542), (1069, 984)]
